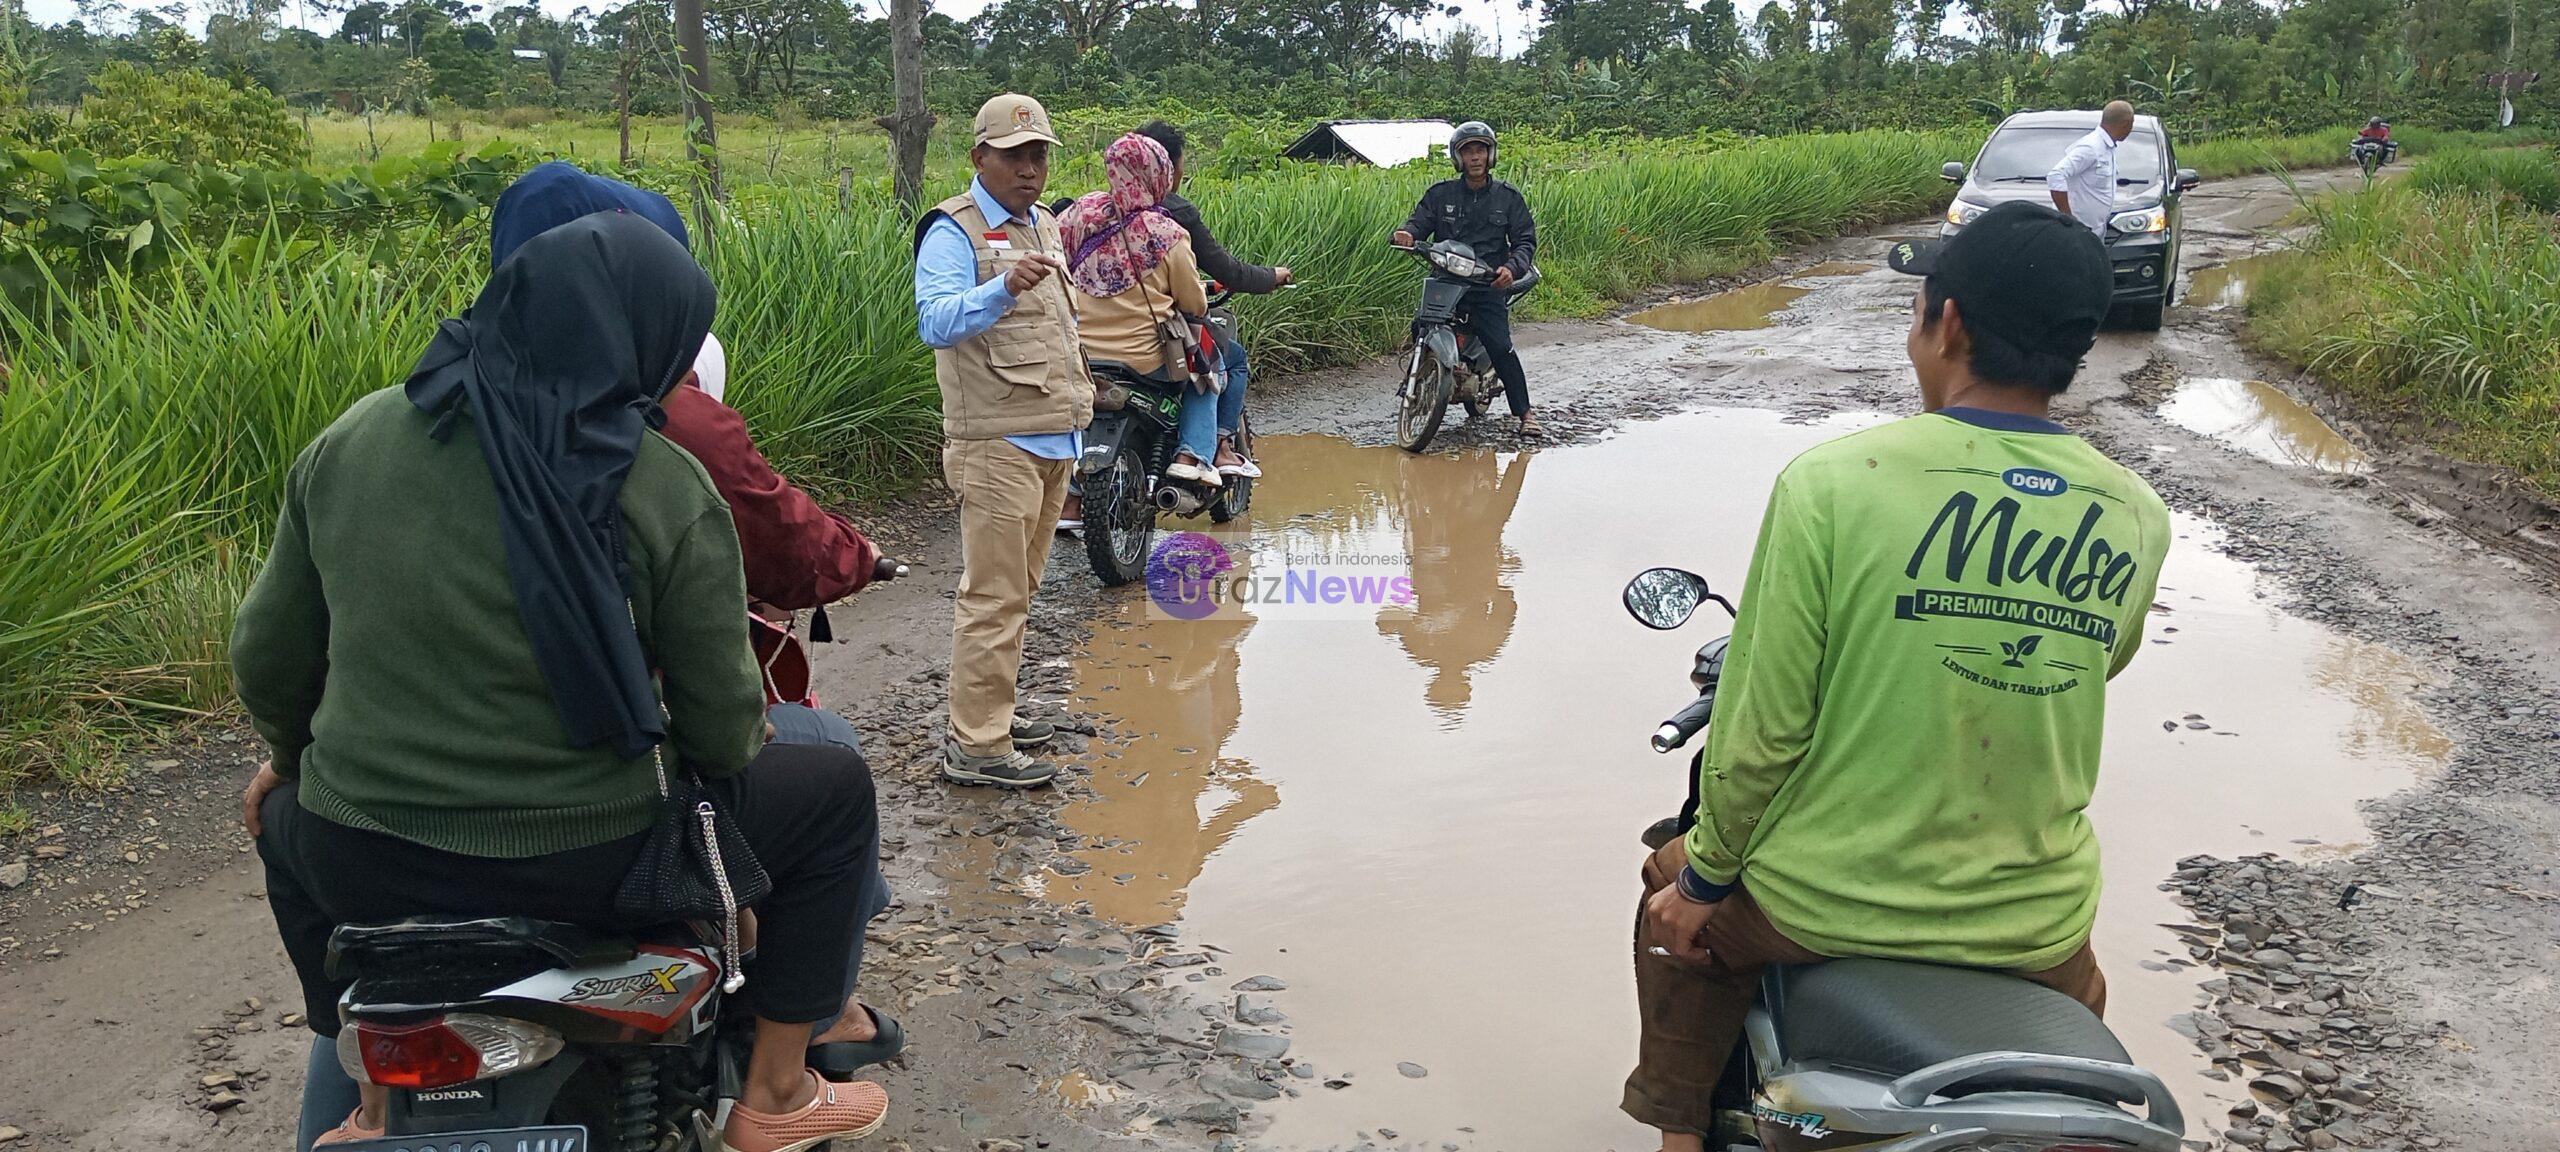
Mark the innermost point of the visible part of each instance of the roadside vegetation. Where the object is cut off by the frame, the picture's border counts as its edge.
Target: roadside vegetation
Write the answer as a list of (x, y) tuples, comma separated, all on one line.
[(2430, 300), (214, 236)]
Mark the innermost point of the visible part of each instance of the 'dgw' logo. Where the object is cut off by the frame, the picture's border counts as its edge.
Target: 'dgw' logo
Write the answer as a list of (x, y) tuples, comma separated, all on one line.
[(640, 987)]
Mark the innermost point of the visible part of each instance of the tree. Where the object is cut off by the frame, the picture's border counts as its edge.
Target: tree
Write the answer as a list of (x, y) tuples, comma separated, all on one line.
[(912, 122)]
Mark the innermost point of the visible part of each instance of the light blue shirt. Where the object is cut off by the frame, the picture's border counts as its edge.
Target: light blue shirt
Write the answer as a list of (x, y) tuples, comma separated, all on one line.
[(952, 306)]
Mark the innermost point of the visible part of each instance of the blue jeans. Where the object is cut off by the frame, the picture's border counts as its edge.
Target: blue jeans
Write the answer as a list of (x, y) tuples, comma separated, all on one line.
[(1205, 416), (329, 1094)]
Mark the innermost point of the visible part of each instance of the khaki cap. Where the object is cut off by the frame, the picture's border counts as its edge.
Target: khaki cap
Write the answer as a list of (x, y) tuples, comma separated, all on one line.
[(1012, 120)]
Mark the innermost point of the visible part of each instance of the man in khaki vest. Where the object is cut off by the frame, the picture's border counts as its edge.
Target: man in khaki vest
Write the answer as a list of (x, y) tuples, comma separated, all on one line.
[(991, 302)]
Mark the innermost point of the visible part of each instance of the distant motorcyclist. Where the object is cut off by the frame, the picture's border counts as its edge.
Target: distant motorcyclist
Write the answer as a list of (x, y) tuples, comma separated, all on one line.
[(2377, 134), (1234, 275), (1492, 218)]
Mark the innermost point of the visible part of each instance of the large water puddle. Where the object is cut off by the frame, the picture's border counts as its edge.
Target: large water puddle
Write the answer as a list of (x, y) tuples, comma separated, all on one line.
[(2260, 419), (1746, 308), (1425, 819), (2228, 285)]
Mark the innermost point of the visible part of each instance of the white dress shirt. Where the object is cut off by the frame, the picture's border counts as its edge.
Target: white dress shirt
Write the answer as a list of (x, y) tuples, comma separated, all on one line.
[(2087, 173)]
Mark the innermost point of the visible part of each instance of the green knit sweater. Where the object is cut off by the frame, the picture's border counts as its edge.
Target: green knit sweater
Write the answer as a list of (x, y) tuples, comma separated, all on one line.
[(380, 655)]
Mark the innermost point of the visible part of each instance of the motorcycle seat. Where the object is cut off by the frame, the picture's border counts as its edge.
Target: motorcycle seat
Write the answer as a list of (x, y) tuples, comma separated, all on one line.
[(1892, 1018), (1120, 371), (466, 945)]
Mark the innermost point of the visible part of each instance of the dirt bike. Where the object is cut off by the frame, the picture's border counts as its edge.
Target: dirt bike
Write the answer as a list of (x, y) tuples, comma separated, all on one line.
[(510, 1034), (1894, 1056), (1445, 360), (1135, 433)]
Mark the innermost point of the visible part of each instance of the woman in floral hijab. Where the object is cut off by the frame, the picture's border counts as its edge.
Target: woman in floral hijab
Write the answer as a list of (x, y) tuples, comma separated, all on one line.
[(1132, 269)]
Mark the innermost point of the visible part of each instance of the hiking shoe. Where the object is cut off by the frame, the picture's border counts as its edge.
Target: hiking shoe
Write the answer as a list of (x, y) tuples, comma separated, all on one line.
[(1010, 770), (1032, 733)]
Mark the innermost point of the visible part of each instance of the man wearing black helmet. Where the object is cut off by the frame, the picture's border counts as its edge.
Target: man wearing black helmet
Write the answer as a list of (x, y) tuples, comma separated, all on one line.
[(1492, 218)]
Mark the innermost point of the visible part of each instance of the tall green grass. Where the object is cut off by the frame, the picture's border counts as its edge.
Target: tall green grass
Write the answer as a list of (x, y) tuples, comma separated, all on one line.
[(148, 422), (2437, 299), (2246, 155)]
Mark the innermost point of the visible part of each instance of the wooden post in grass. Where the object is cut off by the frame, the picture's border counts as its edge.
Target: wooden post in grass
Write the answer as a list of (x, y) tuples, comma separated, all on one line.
[(912, 122), (701, 140)]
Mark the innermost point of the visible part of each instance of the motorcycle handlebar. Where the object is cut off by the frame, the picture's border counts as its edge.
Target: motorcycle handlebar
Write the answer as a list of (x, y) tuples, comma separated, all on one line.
[(1684, 724)]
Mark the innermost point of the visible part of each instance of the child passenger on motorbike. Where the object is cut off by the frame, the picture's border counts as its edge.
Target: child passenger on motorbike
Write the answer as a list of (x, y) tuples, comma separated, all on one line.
[(1133, 272), (491, 605)]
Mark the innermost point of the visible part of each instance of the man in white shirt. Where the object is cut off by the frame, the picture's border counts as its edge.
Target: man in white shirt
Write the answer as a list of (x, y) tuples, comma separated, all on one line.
[(2084, 182)]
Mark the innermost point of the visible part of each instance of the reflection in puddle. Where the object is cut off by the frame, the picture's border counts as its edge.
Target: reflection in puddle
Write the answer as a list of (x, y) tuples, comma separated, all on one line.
[(2260, 419), (1425, 821), (1745, 308), (2227, 285)]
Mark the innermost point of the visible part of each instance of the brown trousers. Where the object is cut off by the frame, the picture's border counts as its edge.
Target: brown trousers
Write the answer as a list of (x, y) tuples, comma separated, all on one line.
[(1009, 504), (1692, 1013)]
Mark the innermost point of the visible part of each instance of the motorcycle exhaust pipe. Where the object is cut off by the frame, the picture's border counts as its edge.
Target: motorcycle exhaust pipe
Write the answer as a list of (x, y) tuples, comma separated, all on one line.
[(1171, 498)]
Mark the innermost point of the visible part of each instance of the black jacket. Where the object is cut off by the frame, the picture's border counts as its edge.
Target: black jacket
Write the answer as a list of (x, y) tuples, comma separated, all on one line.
[(1215, 261), (1493, 220)]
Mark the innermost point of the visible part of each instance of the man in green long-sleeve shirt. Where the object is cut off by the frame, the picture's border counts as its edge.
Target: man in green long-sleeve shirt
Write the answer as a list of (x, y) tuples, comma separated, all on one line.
[(1910, 716)]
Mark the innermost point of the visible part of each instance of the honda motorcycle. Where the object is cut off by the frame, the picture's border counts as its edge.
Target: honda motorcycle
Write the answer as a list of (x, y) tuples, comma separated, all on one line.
[(1446, 361), (1894, 1056), (510, 1034)]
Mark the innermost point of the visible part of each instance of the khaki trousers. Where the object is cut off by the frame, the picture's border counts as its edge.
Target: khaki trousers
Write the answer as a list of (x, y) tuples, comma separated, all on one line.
[(1009, 504), (1692, 1013)]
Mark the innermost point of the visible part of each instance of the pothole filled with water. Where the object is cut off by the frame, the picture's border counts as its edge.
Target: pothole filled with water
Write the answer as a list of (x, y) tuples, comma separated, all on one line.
[(2227, 285), (1423, 816), (2260, 419), (1743, 309)]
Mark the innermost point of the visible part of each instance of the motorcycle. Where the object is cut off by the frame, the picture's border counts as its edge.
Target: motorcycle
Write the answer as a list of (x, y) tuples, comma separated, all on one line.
[(1137, 419), (1895, 1056), (1446, 361), (2370, 154), (511, 1034)]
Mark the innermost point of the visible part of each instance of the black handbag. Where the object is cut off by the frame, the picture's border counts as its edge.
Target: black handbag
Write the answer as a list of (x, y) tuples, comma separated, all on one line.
[(696, 865)]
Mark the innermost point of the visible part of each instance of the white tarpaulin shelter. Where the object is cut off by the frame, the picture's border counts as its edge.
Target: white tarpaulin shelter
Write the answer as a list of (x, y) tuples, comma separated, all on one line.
[(1385, 143)]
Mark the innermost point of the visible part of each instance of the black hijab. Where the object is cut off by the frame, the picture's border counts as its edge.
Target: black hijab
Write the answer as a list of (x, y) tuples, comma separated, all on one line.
[(559, 366)]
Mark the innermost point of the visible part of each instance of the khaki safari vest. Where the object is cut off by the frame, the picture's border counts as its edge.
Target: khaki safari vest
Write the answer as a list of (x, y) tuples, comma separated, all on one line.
[(1026, 375)]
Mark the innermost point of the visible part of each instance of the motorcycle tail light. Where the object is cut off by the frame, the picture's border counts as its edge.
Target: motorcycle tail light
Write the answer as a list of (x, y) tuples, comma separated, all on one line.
[(446, 1050)]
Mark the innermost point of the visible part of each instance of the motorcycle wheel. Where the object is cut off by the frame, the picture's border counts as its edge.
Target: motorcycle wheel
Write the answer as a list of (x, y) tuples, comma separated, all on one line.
[(1119, 522), (1423, 400), (1237, 495)]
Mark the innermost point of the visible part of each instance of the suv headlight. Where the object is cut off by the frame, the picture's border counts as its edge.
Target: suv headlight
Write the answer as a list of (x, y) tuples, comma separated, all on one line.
[(2140, 220), (1961, 213)]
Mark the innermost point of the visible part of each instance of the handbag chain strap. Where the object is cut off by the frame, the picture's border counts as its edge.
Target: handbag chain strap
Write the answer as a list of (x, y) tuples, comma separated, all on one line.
[(732, 965)]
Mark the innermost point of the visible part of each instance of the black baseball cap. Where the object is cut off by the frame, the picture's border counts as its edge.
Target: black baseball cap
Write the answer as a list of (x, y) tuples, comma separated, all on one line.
[(2023, 272)]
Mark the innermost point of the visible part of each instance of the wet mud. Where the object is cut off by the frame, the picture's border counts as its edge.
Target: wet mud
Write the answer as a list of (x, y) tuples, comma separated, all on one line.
[(1235, 922)]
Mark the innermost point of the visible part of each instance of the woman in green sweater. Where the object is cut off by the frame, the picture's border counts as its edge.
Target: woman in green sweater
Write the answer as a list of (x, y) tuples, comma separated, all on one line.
[(450, 653)]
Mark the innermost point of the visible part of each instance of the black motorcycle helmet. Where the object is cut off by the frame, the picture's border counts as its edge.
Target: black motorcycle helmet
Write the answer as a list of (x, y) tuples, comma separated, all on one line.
[(1468, 133)]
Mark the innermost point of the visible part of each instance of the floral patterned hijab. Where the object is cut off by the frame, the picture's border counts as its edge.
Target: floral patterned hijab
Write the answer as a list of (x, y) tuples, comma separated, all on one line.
[(1114, 238)]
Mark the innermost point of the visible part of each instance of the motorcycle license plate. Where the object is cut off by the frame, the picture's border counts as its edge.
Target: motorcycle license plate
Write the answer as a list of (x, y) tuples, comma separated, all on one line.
[(548, 1138)]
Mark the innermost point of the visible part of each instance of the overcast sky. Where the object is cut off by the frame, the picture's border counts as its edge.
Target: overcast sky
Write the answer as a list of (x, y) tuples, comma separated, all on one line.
[(1488, 16)]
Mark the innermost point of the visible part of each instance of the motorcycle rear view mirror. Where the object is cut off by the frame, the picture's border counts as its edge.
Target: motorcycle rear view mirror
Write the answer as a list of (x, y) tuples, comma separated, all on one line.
[(1664, 598)]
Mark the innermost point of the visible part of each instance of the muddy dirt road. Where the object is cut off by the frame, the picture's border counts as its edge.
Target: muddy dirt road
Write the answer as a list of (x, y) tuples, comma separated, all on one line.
[(1235, 925)]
